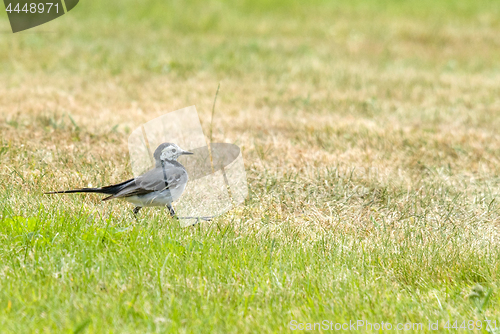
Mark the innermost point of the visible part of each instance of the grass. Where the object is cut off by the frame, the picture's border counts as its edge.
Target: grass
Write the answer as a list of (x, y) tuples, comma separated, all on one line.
[(369, 132)]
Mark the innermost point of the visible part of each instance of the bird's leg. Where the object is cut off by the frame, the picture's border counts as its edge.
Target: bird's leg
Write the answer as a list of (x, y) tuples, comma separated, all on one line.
[(136, 210), (171, 209), (196, 222)]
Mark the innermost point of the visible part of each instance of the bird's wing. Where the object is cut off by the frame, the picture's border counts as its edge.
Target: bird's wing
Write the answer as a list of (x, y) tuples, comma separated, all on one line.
[(154, 180)]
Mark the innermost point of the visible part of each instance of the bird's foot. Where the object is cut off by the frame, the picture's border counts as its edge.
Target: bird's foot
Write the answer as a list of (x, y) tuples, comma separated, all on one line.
[(197, 219), (171, 210)]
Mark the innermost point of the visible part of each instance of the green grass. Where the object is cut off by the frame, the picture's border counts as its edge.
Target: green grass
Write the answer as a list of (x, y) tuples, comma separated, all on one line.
[(369, 132), (63, 270)]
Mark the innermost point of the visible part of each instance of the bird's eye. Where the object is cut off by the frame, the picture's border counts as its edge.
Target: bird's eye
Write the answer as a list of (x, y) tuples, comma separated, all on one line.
[(174, 150)]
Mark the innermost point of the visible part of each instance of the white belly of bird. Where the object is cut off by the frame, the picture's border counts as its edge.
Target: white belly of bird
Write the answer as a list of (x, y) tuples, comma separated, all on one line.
[(157, 198)]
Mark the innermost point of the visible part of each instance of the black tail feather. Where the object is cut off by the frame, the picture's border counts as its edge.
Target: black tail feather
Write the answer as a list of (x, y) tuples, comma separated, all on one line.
[(110, 190), (83, 190)]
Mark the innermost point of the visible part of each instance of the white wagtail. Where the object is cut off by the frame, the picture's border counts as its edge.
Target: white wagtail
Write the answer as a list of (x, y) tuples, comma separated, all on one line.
[(159, 186)]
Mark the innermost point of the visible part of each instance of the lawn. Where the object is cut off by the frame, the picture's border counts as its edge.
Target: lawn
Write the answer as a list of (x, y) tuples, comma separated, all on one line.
[(369, 131)]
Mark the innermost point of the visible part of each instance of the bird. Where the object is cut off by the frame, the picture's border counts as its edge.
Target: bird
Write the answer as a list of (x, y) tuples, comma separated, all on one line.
[(159, 186)]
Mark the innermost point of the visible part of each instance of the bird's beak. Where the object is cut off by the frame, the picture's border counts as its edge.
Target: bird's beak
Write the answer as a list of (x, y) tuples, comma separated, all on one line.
[(187, 153)]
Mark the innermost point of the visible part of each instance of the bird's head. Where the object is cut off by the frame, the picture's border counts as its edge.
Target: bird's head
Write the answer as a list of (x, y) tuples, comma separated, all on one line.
[(168, 152)]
